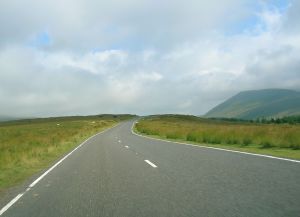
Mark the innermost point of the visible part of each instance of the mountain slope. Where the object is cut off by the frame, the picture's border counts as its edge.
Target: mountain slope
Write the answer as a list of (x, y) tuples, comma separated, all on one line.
[(8, 118), (259, 103)]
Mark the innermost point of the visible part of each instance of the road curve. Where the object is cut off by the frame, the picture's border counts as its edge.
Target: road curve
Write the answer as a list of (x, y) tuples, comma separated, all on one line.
[(117, 173)]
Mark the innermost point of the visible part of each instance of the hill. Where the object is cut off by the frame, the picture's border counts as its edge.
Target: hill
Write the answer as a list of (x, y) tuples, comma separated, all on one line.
[(8, 118), (259, 103)]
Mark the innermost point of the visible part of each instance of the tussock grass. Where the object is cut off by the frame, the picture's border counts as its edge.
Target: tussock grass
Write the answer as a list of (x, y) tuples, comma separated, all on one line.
[(28, 146), (273, 139)]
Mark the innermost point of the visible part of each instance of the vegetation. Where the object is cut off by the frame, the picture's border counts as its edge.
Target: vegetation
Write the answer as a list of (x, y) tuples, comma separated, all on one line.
[(268, 103), (27, 146), (273, 120), (275, 139), (284, 120)]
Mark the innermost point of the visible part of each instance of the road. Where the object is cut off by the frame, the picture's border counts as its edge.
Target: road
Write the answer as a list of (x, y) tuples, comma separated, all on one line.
[(117, 173)]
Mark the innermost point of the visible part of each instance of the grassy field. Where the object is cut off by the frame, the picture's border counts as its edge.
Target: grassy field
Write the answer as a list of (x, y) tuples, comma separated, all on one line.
[(282, 140), (27, 146)]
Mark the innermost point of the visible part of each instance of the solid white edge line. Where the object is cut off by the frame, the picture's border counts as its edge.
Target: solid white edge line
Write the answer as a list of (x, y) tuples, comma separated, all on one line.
[(219, 149), (55, 165), (6, 207), (150, 163)]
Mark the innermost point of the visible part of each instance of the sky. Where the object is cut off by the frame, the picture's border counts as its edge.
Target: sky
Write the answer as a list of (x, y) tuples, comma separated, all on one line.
[(81, 57)]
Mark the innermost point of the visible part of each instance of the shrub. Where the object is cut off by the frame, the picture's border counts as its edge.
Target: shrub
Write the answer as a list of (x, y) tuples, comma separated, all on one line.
[(191, 137), (295, 146), (227, 141), (142, 131), (205, 139), (153, 132), (215, 140), (266, 144), (247, 141), (231, 141), (172, 136)]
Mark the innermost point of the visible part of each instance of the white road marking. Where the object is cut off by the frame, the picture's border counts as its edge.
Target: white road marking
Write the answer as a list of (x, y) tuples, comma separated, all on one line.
[(6, 207), (11, 203), (126, 146), (119, 141), (150, 163), (55, 165), (219, 149)]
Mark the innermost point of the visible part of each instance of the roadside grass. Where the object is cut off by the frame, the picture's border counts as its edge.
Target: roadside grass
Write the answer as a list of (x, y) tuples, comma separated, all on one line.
[(281, 140), (28, 146)]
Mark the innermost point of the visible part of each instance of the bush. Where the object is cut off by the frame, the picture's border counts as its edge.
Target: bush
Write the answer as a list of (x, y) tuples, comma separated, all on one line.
[(215, 140), (295, 146), (142, 131), (266, 144), (191, 137), (172, 136), (247, 141), (233, 141), (205, 139), (154, 132), (229, 140)]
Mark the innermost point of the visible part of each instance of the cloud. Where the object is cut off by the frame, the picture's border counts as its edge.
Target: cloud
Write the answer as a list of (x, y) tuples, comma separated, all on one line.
[(145, 57), (81, 24), (291, 21)]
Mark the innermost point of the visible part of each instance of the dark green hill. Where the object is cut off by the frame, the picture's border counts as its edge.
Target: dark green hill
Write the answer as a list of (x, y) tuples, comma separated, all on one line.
[(259, 103)]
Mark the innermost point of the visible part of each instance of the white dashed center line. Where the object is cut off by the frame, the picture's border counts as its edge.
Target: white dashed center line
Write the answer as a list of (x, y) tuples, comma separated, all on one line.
[(150, 163), (126, 146)]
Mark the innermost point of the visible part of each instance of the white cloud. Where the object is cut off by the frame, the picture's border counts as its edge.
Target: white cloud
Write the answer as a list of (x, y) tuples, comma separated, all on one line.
[(141, 56)]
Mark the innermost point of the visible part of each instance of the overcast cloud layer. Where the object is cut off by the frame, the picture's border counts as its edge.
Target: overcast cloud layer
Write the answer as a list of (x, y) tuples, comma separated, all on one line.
[(132, 56)]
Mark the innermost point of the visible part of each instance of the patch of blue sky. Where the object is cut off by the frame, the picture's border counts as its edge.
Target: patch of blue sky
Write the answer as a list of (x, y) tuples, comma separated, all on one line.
[(281, 5), (250, 23), (245, 25), (41, 39)]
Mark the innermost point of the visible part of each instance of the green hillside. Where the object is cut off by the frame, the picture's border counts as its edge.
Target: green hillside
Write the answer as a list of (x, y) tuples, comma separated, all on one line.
[(259, 103)]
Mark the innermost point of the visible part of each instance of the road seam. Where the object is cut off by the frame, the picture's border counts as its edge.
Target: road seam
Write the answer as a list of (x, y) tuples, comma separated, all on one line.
[(219, 149), (150, 163), (7, 206)]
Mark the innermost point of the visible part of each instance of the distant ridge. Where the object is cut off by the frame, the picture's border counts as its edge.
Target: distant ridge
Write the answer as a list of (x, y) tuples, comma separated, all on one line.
[(8, 118), (259, 103)]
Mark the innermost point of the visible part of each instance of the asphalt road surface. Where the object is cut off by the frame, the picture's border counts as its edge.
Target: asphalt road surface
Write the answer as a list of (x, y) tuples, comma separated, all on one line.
[(120, 174)]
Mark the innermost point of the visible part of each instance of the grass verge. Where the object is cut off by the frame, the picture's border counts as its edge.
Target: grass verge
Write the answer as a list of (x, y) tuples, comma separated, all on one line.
[(29, 146), (280, 140)]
